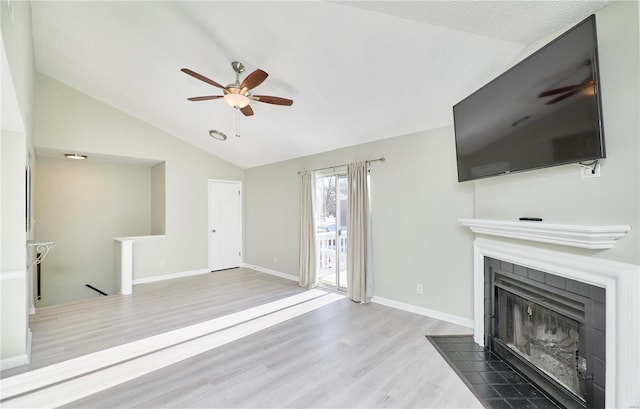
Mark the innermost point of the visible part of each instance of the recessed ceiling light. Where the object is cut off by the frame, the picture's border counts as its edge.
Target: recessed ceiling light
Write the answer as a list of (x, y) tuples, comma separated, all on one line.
[(75, 156), (217, 135)]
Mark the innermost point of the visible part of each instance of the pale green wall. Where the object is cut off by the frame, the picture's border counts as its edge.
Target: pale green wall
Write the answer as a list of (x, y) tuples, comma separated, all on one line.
[(18, 48), (559, 194), (14, 322), (13, 276), (13, 237), (82, 205), (416, 202), (405, 224), (69, 120), (158, 199), (18, 43)]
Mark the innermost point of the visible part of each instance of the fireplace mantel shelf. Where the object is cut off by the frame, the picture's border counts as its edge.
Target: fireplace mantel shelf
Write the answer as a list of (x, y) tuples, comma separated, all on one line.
[(595, 237)]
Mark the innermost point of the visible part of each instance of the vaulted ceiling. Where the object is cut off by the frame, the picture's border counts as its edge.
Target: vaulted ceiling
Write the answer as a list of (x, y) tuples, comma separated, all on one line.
[(357, 71)]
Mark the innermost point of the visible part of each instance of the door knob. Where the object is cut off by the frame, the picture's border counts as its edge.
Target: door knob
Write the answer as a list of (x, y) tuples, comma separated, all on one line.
[(213, 231)]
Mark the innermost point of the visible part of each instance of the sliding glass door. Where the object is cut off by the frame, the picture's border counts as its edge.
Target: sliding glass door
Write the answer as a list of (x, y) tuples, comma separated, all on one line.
[(331, 222)]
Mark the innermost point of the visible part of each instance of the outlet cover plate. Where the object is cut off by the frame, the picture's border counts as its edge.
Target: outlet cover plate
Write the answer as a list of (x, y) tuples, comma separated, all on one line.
[(586, 172)]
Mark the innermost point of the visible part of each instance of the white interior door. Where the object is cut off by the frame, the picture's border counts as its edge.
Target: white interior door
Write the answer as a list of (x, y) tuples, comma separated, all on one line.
[(225, 224)]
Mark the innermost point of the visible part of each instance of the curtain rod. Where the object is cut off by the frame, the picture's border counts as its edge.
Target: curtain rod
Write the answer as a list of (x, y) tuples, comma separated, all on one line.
[(337, 166)]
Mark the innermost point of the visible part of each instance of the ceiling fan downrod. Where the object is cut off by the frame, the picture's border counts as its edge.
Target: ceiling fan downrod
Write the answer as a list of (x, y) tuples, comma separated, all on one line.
[(239, 69)]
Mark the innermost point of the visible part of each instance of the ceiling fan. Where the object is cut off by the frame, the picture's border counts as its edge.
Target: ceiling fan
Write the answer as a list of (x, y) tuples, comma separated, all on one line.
[(570, 90), (567, 91), (238, 94)]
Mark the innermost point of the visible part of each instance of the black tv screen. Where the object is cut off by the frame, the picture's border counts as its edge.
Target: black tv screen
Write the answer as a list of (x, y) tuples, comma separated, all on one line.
[(542, 112)]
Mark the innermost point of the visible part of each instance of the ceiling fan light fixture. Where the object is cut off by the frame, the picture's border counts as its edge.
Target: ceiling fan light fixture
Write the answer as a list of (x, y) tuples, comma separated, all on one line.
[(238, 94), (236, 100)]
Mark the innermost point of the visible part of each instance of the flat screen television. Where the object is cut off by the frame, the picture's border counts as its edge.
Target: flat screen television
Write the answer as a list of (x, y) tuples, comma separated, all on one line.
[(544, 111)]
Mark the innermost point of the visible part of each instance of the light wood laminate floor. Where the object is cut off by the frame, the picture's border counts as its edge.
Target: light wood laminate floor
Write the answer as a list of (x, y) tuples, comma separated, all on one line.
[(343, 355)]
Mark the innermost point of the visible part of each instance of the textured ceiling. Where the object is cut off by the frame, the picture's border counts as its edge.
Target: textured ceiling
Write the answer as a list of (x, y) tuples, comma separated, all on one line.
[(357, 71), (517, 21)]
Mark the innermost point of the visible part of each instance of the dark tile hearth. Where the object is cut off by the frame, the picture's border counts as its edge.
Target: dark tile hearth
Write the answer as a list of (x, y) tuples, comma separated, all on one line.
[(496, 384)]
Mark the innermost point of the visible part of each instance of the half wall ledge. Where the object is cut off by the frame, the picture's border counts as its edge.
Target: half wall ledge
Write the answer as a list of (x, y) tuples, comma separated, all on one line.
[(123, 256), (594, 237)]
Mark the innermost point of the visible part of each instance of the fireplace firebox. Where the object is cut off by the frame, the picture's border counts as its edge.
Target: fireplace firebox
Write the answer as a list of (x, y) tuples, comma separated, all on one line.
[(550, 328)]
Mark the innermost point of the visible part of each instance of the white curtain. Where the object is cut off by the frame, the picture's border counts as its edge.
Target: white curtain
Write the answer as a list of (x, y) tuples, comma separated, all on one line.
[(308, 271), (359, 274)]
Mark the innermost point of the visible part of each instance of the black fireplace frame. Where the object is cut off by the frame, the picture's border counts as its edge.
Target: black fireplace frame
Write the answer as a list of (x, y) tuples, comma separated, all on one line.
[(592, 299)]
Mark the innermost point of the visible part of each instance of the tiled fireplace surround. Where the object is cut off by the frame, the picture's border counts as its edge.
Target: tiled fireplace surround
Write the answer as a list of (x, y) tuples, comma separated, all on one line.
[(621, 282)]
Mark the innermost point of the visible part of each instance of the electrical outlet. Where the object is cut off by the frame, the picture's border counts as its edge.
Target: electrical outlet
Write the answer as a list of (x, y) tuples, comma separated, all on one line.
[(419, 289), (275, 259), (163, 263), (588, 172)]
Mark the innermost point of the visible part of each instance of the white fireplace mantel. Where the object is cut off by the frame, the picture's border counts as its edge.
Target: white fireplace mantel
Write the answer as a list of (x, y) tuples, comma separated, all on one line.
[(593, 237), (621, 282)]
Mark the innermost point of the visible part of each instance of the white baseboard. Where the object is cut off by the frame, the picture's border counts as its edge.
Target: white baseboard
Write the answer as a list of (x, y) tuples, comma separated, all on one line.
[(454, 319), (29, 335), (272, 272), (14, 362), (171, 276), (19, 360)]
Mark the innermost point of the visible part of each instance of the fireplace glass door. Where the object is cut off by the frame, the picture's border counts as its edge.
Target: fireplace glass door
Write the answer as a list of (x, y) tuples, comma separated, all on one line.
[(545, 338)]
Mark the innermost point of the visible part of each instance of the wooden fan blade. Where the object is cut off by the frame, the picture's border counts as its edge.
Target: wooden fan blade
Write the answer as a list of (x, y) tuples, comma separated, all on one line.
[(205, 98), (202, 78), (584, 84), (247, 111), (254, 79), (272, 100), (565, 96), (557, 91)]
